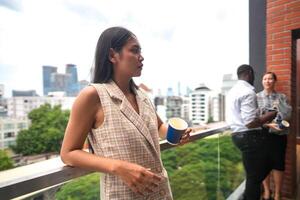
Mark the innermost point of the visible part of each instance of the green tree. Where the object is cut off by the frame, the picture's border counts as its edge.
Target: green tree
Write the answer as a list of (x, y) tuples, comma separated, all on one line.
[(5, 161), (45, 132), (213, 162), (188, 182), (84, 188), (194, 171)]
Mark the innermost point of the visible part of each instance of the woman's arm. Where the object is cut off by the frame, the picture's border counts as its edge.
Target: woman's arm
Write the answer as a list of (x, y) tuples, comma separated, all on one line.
[(82, 118), (162, 128), (284, 108)]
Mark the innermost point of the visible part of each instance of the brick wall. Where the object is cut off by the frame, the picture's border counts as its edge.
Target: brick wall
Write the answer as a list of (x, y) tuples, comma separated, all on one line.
[(283, 16)]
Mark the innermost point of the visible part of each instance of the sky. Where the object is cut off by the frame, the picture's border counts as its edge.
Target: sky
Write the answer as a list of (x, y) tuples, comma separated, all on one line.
[(191, 41)]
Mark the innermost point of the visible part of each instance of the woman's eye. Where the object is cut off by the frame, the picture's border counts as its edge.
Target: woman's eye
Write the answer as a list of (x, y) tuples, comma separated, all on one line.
[(136, 50)]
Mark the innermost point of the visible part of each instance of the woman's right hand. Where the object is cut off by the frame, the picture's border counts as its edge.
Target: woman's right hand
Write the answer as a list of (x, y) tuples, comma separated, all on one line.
[(139, 179)]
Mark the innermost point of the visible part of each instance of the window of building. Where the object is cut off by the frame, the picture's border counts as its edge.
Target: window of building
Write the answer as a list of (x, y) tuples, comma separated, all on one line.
[(9, 135), (8, 126), (21, 125)]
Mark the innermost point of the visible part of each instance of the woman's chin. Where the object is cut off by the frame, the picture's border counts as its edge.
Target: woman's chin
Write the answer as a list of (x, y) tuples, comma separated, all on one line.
[(137, 74)]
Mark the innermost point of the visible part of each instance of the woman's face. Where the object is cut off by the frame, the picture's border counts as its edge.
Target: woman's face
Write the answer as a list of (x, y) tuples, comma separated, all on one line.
[(268, 82), (129, 59)]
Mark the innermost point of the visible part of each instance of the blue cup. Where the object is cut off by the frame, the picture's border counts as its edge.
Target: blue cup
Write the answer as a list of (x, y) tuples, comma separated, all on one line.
[(283, 124), (176, 129)]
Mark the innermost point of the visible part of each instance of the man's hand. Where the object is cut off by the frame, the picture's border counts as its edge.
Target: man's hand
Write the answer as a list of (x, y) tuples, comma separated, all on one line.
[(269, 116)]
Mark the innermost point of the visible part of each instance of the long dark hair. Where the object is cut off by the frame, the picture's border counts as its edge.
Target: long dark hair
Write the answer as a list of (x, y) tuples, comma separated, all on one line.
[(115, 38)]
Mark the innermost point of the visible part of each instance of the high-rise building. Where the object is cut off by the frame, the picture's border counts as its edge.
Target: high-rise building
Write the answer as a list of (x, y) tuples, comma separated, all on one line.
[(67, 82), (185, 108), (228, 82), (217, 107), (173, 105), (72, 85), (200, 105), (47, 81), (60, 82)]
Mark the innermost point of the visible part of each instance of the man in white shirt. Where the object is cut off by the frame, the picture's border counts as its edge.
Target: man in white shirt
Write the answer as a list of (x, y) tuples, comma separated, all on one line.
[(245, 123)]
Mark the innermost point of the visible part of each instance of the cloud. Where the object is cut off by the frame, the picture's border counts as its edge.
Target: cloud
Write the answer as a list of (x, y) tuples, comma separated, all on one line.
[(15, 5), (191, 41), (87, 11)]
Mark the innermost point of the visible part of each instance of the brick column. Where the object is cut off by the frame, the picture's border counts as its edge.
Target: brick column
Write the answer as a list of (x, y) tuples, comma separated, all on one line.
[(283, 16)]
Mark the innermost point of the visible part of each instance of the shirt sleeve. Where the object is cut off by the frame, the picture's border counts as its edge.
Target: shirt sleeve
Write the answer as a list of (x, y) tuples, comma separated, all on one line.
[(284, 108), (249, 108)]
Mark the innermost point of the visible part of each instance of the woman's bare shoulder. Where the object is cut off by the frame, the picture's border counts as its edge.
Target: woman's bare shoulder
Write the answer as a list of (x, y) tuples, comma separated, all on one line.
[(88, 97)]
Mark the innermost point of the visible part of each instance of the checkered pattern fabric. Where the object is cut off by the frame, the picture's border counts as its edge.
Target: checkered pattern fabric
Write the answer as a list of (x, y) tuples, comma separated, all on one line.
[(274, 100), (127, 135)]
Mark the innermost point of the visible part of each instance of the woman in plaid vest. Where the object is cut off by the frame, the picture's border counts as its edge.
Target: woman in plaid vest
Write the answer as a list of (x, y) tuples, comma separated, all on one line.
[(120, 123)]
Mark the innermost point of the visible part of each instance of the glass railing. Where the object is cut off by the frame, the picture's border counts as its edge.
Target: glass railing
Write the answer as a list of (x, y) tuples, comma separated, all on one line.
[(207, 168)]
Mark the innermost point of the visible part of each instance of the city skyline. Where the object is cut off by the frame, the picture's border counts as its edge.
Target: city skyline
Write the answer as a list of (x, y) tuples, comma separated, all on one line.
[(191, 43)]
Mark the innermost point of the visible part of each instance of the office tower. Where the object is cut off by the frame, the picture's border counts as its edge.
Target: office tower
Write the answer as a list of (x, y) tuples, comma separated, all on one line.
[(72, 88), (47, 82), (199, 105), (173, 105)]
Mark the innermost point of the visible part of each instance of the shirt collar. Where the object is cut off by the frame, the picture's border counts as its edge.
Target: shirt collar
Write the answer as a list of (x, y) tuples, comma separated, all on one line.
[(245, 83), (271, 94), (115, 92)]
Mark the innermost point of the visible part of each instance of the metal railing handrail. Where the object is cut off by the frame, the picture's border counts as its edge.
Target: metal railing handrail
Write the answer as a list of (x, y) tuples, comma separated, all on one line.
[(30, 178)]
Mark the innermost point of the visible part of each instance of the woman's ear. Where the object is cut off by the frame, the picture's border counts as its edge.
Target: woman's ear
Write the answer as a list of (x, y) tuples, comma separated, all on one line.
[(112, 55)]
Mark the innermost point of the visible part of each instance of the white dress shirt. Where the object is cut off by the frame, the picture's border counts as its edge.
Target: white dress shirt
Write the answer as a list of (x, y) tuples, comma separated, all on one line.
[(241, 106)]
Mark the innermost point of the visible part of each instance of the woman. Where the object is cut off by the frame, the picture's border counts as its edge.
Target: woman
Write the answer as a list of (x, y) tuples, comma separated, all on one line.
[(269, 99), (121, 124)]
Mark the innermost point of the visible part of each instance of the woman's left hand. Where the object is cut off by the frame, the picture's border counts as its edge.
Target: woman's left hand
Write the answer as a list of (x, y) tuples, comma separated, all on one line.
[(273, 126), (186, 136)]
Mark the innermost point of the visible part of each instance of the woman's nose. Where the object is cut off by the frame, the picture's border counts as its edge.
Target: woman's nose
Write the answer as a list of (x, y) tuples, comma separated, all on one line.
[(141, 58)]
